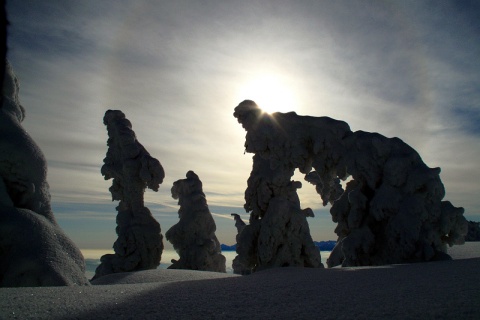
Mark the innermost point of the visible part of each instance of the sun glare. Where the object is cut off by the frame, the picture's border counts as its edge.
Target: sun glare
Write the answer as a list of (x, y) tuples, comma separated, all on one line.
[(269, 93)]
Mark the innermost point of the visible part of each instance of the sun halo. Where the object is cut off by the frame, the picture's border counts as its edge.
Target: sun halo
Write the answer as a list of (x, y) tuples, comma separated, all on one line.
[(269, 93)]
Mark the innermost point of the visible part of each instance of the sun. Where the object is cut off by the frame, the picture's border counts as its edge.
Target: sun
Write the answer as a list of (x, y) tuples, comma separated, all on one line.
[(270, 93)]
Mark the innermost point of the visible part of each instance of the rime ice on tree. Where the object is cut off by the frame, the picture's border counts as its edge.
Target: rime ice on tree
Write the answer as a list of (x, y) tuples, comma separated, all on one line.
[(139, 245), (34, 251), (239, 223), (391, 211), (237, 266), (193, 237), (278, 234)]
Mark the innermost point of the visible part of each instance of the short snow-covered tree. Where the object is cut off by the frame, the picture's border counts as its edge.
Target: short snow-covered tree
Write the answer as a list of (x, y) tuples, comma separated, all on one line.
[(193, 237)]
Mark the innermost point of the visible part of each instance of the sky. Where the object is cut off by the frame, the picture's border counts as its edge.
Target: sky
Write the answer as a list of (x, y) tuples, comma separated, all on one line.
[(177, 69)]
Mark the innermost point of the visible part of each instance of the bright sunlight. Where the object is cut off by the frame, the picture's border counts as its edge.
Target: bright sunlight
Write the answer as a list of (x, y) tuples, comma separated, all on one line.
[(270, 93)]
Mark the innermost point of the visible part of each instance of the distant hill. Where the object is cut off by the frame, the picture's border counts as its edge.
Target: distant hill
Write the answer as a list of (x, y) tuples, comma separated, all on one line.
[(325, 245), (228, 248), (322, 246), (473, 231)]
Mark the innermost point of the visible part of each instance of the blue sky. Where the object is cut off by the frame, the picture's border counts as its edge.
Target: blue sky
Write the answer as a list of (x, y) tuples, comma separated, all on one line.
[(177, 69)]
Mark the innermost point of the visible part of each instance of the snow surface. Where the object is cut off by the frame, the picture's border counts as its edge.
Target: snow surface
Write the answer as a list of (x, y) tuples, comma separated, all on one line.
[(433, 290), (36, 252)]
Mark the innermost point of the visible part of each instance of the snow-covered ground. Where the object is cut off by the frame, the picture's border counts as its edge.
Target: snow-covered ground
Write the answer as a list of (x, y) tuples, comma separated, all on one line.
[(445, 289)]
